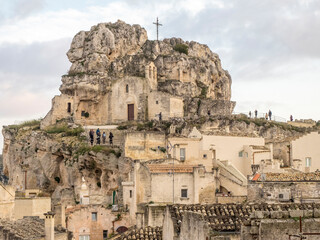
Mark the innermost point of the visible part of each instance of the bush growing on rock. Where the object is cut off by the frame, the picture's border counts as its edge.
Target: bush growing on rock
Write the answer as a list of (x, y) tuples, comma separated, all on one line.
[(181, 48)]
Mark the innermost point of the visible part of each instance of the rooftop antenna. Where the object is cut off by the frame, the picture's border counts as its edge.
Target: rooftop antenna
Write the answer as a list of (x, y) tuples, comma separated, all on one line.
[(157, 24)]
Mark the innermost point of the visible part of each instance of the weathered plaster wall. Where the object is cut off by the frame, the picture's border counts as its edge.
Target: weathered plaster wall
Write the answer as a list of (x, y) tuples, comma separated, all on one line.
[(144, 145), (7, 195), (31, 207), (120, 98), (307, 146)]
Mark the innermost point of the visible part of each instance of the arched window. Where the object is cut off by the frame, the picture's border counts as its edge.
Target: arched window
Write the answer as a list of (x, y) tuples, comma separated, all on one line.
[(127, 88)]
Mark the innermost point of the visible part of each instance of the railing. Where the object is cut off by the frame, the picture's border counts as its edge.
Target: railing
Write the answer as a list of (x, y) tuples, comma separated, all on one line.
[(262, 115)]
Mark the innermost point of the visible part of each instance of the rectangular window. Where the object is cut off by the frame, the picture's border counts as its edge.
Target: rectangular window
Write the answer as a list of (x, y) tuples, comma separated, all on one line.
[(84, 237), (94, 216), (83, 113), (69, 107), (130, 193), (105, 234), (204, 155), (182, 154), (241, 154), (308, 161), (184, 193)]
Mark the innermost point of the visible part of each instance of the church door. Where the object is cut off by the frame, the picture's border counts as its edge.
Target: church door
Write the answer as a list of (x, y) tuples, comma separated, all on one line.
[(130, 112)]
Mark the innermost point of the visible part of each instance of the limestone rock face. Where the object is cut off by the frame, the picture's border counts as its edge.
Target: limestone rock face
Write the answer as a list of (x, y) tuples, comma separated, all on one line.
[(93, 50), (112, 50), (56, 166)]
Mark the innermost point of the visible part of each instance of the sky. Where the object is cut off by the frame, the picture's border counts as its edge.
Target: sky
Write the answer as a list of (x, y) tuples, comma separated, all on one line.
[(271, 48)]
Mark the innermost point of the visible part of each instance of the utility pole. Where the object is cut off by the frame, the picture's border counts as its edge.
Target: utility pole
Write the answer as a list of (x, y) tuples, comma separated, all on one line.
[(157, 24)]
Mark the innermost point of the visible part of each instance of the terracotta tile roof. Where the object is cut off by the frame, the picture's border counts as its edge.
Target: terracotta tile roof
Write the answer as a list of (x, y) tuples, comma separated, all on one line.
[(230, 217), (151, 233), (290, 177), (167, 168)]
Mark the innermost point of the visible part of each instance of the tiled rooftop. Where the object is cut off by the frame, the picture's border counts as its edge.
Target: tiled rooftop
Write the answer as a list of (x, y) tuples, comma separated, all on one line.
[(167, 168), (289, 177), (229, 217), (148, 233)]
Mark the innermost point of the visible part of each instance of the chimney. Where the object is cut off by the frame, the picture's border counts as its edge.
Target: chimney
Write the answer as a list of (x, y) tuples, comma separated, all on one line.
[(49, 225)]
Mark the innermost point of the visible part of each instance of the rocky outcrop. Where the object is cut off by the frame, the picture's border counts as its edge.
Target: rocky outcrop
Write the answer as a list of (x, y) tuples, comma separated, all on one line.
[(56, 164), (112, 50)]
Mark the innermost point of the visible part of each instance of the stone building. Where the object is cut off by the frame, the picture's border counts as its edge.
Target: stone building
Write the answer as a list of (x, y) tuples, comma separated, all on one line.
[(95, 222), (284, 187), (305, 152), (235, 153)]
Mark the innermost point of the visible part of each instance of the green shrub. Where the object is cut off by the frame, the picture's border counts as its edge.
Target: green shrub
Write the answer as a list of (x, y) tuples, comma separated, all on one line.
[(122, 127), (35, 124), (162, 149), (181, 48), (64, 129)]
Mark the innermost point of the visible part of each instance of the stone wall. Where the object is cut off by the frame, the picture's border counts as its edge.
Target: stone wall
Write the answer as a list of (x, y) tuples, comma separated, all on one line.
[(291, 191), (278, 225), (194, 227), (145, 145)]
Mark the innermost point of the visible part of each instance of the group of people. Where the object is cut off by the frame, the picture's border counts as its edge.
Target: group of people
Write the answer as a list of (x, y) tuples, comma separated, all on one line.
[(267, 116), (98, 134)]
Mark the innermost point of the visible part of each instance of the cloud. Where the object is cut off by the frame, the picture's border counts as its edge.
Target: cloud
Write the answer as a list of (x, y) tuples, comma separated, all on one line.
[(24, 8)]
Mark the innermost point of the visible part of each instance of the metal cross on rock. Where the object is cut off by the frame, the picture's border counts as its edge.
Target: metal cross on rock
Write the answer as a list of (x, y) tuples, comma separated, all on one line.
[(157, 24)]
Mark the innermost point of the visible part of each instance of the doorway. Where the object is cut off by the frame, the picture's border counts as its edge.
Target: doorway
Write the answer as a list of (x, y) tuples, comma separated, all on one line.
[(130, 112)]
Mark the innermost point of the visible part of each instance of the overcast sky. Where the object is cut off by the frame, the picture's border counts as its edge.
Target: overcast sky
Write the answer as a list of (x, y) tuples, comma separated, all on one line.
[(271, 48)]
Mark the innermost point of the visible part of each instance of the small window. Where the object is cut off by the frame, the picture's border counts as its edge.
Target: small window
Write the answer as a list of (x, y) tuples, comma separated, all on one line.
[(308, 161), (83, 113), (130, 193), (182, 154), (69, 107), (84, 237), (204, 156), (281, 195), (157, 102), (94, 216), (246, 154), (241, 154), (105, 234), (184, 193), (127, 88)]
